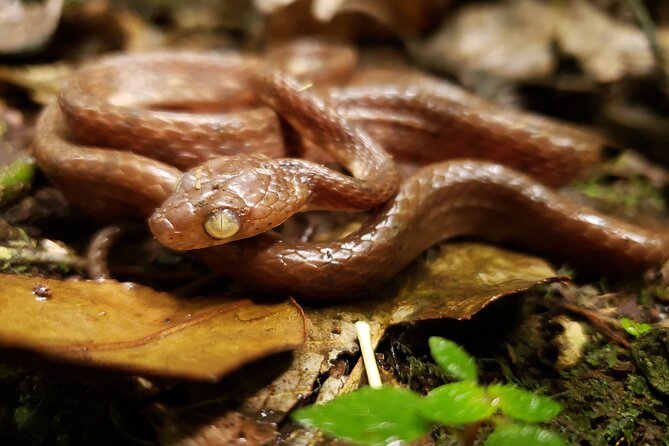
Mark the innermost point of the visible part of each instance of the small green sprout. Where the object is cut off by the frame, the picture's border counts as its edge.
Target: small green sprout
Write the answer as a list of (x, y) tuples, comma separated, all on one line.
[(395, 415), (16, 177), (633, 327)]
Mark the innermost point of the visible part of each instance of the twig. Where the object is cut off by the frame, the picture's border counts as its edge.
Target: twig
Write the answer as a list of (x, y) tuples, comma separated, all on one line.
[(648, 28), (97, 254), (365, 340), (598, 322)]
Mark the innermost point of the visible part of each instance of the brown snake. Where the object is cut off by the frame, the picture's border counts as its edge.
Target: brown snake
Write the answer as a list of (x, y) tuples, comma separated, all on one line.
[(150, 104)]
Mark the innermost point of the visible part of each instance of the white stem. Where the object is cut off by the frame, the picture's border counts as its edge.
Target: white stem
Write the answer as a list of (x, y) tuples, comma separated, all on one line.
[(365, 340)]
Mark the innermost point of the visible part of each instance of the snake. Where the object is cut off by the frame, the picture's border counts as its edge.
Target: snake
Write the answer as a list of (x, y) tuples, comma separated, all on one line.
[(204, 145)]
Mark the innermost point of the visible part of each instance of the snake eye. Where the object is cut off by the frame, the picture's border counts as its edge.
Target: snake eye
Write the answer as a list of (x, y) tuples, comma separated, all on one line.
[(221, 224)]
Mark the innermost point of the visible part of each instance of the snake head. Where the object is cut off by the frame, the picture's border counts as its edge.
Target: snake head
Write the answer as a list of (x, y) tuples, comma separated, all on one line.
[(227, 199)]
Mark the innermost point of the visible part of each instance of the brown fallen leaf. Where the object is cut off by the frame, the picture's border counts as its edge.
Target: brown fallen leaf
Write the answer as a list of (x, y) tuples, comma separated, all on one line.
[(518, 39), (460, 279), (509, 39), (607, 49), (27, 26), (42, 81), (130, 328), (456, 281)]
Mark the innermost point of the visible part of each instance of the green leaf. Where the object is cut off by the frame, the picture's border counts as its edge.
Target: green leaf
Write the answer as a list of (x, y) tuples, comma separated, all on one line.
[(457, 403), (523, 404), (453, 359), (369, 416), (525, 435), (633, 327)]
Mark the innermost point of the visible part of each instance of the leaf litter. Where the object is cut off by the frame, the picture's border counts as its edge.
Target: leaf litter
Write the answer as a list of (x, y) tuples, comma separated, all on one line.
[(522, 40), (484, 274), (331, 341)]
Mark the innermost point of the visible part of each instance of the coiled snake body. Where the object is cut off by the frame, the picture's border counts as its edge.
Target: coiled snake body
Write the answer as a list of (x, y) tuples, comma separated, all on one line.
[(126, 126)]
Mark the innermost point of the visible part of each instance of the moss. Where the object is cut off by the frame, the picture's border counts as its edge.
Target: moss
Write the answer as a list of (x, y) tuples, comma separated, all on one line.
[(606, 402), (651, 355), (45, 411), (411, 364), (606, 398), (633, 195)]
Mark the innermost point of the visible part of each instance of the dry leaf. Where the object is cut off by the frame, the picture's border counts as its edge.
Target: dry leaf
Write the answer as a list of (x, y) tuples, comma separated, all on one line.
[(138, 35), (27, 26), (133, 329), (455, 282), (42, 81), (508, 39), (516, 39), (461, 279), (607, 49), (570, 343)]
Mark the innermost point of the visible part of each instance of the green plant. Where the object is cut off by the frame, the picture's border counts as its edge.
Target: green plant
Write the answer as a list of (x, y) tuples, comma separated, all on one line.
[(394, 415), (633, 327)]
